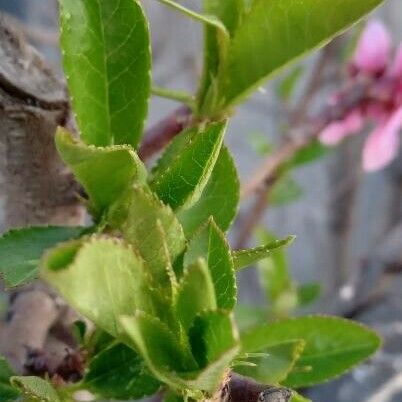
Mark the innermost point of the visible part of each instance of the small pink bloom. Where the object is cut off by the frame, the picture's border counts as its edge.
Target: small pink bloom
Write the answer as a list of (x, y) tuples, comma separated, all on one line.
[(376, 113), (396, 69), (335, 132), (382, 146), (373, 50)]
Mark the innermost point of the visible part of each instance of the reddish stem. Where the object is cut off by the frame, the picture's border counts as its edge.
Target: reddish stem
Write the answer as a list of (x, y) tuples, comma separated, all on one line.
[(158, 136)]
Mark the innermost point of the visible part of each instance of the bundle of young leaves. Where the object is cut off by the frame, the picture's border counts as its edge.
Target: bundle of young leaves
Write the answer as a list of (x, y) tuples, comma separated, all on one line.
[(155, 273), (140, 279), (165, 298)]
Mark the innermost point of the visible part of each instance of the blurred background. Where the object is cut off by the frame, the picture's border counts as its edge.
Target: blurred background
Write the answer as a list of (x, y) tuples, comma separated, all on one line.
[(347, 258)]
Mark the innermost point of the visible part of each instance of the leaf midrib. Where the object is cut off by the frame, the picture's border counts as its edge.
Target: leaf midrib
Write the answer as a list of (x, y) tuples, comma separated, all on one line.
[(360, 348)]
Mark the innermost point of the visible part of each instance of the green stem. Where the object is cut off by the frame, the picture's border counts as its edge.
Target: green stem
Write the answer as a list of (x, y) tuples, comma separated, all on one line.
[(209, 20), (179, 96)]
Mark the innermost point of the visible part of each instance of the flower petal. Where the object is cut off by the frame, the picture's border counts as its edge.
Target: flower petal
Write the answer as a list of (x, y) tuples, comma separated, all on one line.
[(373, 50), (396, 69), (382, 146), (335, 132), (377, 113)]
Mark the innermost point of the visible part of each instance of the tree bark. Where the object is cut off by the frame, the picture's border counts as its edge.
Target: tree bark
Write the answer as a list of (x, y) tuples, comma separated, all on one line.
[(33, 102), (35, 187)]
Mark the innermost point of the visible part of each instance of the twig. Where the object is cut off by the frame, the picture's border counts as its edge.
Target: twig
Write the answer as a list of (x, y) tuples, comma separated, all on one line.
[(301, 111), (353, 96), (267, 175), (159, 135), (269, 168), (268, 172), (261, 185), (371, 280)]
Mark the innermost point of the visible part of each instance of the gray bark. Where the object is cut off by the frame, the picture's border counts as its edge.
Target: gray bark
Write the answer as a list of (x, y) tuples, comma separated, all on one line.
[(35, 187)]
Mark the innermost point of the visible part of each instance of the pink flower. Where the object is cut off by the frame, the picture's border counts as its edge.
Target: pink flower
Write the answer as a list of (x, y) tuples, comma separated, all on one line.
[(335, 132), (383, 105), (373, 50), (382, 145), (396, 69)]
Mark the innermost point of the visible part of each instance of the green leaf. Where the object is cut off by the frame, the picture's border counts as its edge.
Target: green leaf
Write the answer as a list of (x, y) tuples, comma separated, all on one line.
[(308, 154), (182, 182), (276, 365), (170, 396), (277, 32), (106, 56), (78, 331), (248, 315), (210, 243), (245, 258), (171, 361), (21, 250), (195, 294), (7, 392), (333, 346), (308, 293), (112, 277), (276, 280), (35, 388), (105, 173), (219, 199), (159, 347), (214, 342), (173, 150), (229, 12), (212, 333), (210, 377), (204, 19), (118, 372), (285, 191), (97, 341), (152, 228), (221, 195)]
